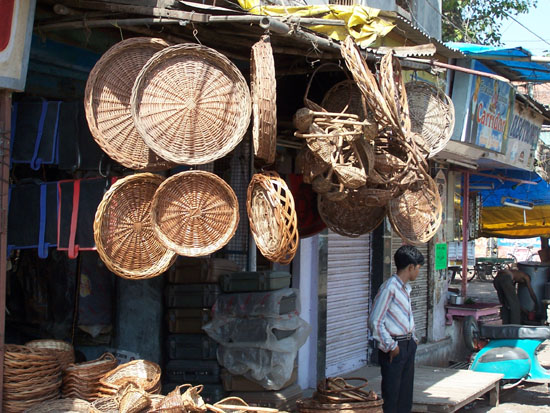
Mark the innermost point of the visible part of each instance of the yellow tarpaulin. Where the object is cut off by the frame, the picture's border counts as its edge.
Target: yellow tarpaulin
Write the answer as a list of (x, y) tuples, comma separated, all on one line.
[(509, 222), (362, 23)]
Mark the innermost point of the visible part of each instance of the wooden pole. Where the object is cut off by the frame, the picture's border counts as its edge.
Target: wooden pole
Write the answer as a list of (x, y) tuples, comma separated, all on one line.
[(465, 230), (5, 129)]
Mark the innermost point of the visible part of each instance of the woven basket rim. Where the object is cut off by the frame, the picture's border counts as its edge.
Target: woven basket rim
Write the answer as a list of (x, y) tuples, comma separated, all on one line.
[(212, 56), (105, 60), (168, 258), (193, 251)]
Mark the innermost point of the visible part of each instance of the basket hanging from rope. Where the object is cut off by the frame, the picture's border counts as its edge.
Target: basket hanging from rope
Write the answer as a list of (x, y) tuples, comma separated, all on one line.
[(264, 100), (432, 114), (107, 103), (416, 215), (272, 217), (195, 213), (123, 232), (191, 104)]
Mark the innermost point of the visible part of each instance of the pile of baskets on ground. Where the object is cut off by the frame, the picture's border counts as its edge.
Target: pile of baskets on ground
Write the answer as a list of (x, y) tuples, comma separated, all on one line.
[(336, 395), (367, 146)]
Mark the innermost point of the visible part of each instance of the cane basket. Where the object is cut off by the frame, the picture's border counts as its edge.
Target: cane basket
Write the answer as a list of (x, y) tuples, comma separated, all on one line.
[(314, 406), (70, 405), (123, 231), (107, 103), (64, 352), (81, 380), (145, 374), (416, 215), (432, 114), (264, 100), (195, 213), (272, 217), (191, 104), (349, 217)]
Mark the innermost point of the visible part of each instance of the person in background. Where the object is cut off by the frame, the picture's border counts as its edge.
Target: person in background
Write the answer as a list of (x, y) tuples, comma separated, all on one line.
[(505, 284), (392, 326)]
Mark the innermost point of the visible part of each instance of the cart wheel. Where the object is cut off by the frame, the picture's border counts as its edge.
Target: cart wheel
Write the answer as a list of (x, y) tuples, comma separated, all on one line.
[(470, 332)]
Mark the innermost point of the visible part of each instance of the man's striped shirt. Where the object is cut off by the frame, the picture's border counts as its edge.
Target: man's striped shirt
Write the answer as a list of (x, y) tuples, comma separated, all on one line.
[(392, 313)]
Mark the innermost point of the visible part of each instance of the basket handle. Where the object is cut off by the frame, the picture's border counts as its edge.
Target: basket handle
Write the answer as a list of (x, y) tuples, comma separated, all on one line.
[(309, 103)]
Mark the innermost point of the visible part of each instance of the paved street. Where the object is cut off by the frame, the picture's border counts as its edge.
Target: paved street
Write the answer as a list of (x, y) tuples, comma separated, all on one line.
[(519, 400)]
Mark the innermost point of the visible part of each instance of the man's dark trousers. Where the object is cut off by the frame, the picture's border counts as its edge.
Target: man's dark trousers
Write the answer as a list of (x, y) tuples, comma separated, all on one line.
[(398, 378)]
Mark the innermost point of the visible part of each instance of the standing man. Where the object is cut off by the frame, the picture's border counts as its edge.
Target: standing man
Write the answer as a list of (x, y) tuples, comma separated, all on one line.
[(392, 326), (505, 284)]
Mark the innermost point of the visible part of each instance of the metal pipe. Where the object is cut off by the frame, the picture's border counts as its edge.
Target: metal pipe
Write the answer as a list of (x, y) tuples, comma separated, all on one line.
[(106, 23), (274, 25), (465, 230), (307, 21), (457, 68)]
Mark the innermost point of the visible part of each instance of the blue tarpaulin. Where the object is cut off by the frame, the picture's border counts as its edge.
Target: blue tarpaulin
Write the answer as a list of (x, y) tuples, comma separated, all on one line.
[(510, 62)]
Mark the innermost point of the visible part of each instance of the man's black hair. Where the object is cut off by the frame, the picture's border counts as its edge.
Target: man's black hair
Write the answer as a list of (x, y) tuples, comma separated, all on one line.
[(407, 254)]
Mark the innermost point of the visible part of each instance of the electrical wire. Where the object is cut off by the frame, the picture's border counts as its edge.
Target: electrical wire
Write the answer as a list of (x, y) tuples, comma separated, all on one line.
[(525, 27)]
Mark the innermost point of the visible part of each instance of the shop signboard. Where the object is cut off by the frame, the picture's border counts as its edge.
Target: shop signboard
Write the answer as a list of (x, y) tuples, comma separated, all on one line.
[(16, 21), (523, 134), (490, 107)]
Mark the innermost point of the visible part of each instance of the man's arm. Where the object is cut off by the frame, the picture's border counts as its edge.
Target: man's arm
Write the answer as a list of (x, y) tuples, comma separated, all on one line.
[(532, 293), (377, 318)]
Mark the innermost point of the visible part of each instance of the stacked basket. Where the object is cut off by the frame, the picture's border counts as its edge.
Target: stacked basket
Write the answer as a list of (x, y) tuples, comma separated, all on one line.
[(63, 351), (145, 374), (82, 380), (31, 376)]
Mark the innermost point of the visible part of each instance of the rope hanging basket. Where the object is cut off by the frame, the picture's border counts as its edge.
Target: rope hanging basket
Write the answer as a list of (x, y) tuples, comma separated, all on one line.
[(264, 100), (191, 104), (195, 213), (107, 103), (432, 114), (349, 217), (123, 231), (272, 217), (416, 215), (64, 352)]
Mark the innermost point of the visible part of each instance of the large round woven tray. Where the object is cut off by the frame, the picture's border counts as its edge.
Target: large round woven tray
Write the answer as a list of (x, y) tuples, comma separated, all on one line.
[(264, 96), (64, 352), (272, 217), (195, 213), (123, 231), (107, 103), (432, 114), (349, 217), (313, 406), (416, 215), (191, 104)]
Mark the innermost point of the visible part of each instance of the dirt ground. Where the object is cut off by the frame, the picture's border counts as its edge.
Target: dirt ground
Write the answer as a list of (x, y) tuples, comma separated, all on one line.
[(522, 399)]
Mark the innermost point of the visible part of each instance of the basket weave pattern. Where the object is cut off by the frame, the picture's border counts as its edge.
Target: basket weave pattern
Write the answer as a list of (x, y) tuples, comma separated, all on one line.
[(264, 105), (191, 104), (64, 352), (123, 231), (107, 103), (81, 380), (272, 217), (195, 213), (145, 374)]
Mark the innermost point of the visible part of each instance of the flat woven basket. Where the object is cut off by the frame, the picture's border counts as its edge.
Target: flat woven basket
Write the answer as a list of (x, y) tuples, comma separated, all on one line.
[(432, 114), (70, 405), (195, 213), (349, 217), (264, 100), (191, 104), (123, 231), (107, 103), (64, 352), (416, 215), (272, 217)]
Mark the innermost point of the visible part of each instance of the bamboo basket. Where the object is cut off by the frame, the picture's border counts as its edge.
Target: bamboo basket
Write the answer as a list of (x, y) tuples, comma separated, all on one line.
[(70, 405), (191, 104), (143, 373), (195, 213), (81, 380), (123, 232), (272, 217), (64, 352), (105, 405), (313, 406), (264, 100), (107, 103)]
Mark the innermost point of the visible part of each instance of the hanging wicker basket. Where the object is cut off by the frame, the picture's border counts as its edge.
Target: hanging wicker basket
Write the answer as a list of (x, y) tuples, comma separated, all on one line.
[(272, 217), (349, 217), (195, 213), (64, 352), (264, 100), (191, 104), (123, 232), (416, 215), (432, 114), (107, 103)]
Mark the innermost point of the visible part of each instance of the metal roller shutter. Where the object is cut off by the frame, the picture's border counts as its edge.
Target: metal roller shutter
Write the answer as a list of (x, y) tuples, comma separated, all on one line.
[(348, 301), (419, 292)]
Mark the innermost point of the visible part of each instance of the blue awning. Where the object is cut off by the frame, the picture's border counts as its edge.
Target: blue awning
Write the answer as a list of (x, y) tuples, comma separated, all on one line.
[(510, 62)]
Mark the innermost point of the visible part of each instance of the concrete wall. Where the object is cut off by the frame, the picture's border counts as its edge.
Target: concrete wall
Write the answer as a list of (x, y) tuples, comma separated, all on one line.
[(449, 349)]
